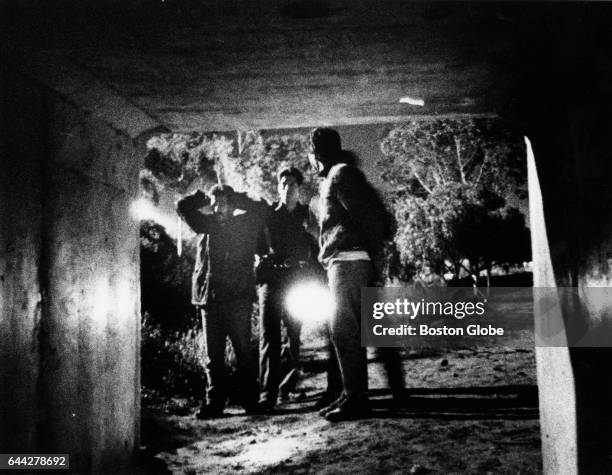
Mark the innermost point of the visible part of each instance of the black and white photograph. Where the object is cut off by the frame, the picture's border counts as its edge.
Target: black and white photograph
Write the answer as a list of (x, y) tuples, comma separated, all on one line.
[(305, 237)]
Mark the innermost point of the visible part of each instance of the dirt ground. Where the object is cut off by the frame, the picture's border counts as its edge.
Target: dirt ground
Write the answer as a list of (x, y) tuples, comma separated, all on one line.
[(466, 411)]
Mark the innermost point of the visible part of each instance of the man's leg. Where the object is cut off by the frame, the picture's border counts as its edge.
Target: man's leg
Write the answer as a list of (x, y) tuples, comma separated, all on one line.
[(294, 329), (269, 345), (345, 282), (392, 364), (334, 378), (238, 317), (214, 344)]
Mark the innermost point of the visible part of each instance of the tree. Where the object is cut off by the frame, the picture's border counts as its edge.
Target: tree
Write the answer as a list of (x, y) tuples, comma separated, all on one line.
[(171, 345), (165, 279), (176, 161), (475, 153), (260, 157), (450, 180), (247, 161)]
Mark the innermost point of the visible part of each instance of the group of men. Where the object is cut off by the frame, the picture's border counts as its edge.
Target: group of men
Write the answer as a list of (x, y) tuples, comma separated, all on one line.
[(236, 231)]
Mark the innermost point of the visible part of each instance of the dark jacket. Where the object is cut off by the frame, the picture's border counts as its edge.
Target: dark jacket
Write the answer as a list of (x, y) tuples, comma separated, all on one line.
[(225, 255), (352, 216), (289, 239), (288, 250)]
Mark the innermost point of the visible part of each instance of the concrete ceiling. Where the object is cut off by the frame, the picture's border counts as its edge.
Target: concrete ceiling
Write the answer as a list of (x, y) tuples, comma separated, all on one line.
[(228, 65)]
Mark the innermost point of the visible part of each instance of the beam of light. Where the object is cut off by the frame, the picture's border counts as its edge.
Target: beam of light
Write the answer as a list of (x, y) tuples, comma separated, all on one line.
[(179, 236), (142, 209), (412, 101), (310, 302)]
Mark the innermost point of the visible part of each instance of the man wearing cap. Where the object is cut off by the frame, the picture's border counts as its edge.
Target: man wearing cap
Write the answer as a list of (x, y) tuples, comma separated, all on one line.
[(223, 286), (353, 227)]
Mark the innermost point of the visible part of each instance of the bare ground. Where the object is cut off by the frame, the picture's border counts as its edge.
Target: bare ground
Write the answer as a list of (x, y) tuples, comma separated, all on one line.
[(466, 411)]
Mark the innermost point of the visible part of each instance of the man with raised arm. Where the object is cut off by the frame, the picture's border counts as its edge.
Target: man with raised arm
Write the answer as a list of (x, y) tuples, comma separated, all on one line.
[(223, 286)]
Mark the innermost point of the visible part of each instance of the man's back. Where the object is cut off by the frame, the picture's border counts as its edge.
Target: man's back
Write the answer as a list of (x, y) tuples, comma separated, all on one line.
[(352, 215)]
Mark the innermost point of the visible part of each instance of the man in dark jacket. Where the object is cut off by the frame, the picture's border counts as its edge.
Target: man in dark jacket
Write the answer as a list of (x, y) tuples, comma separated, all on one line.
[(291, 255), (223, 286), (353, 227)]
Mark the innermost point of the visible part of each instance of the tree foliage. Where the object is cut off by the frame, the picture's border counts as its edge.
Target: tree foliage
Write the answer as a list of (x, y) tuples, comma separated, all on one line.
[(450, 180), (248, 161), (165, 279), (475, 153), (259, 158), (176, 161), (171, 346)]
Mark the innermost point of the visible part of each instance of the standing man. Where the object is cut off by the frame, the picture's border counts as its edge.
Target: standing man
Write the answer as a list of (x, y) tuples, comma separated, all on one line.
[(353, 227), (292, 252), (223, 287)]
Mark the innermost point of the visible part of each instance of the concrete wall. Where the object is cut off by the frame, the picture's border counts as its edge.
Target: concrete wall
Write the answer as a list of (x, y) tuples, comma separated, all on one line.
[(21, 204), (69, 281), (553, 364), (575, 389), (566, 105)]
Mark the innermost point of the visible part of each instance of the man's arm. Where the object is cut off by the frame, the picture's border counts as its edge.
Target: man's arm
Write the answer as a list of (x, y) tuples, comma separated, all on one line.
[(260, 210), (242, 201), (357, 197), (264, 241), (311, 223), (188, 209)]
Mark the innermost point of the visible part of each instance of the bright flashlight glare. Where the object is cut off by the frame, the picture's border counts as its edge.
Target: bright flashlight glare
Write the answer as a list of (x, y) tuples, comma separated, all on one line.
[(142, 209), (310, 302)]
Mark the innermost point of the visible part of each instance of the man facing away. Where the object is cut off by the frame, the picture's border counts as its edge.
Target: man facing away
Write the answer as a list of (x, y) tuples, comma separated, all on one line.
[(292, 252), (223, 287), (353, 227)]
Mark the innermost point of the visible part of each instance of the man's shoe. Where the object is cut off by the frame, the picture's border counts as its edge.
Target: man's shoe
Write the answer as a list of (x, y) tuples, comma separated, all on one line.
[(334, 405), (208, 411), (349, 410), (262, 407), (326, 399)]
